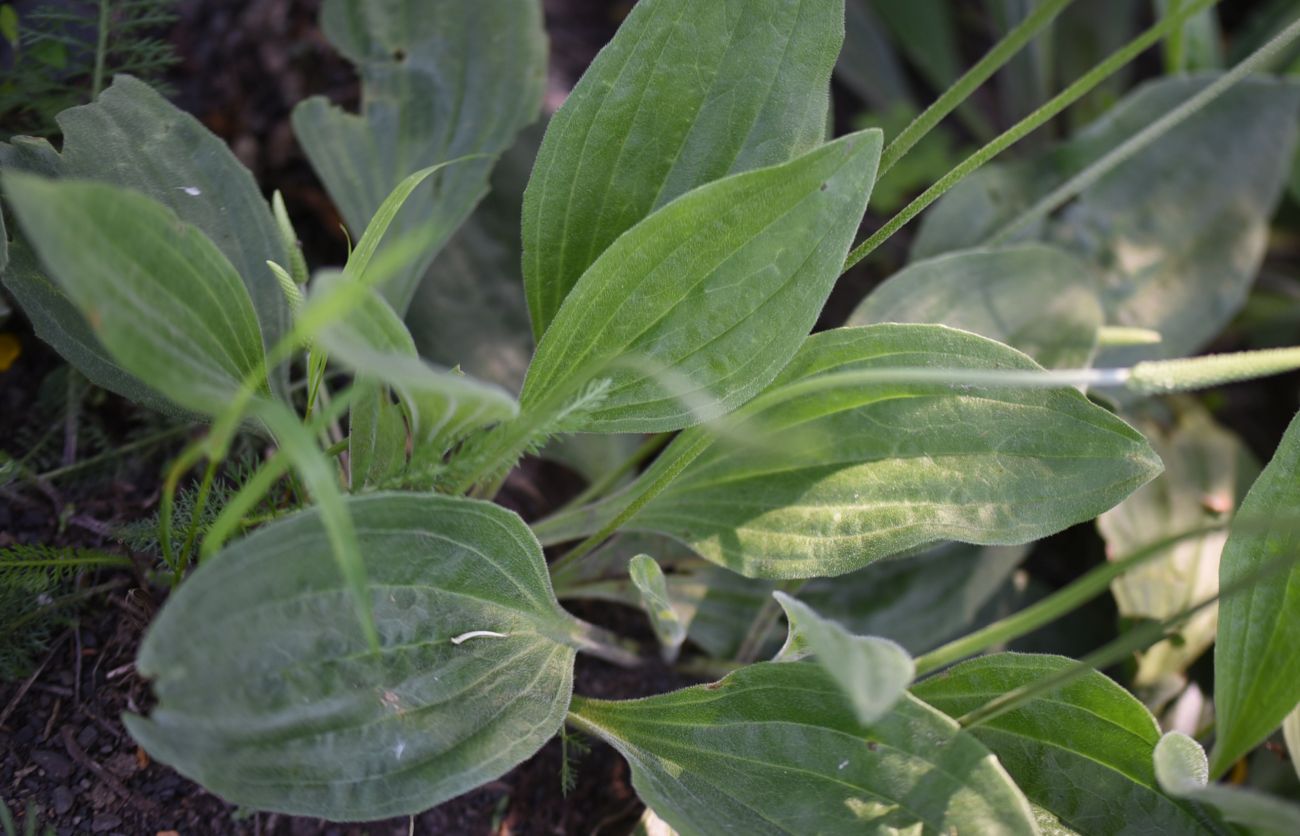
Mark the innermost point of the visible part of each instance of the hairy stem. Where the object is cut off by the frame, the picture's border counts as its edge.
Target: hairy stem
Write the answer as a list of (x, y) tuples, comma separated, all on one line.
[(1144, 138), (1051, 608), (995, 59)]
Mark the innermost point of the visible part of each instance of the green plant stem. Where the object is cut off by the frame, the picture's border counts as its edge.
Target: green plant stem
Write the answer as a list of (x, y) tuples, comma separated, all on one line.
[(101, 52), (762, 624), (601, 486), (601, 643), (1141, 140), (242, 502), (1140, 637), (101, 560), (1030, 123), (189, 457), (1052, 607), (109, 455), (1175, 47), (961, 89), (664, 478), (200, 505)]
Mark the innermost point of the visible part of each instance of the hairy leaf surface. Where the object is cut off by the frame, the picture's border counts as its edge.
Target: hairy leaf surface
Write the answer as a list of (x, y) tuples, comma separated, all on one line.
[(687, 92), (1082, 752), (270, 699), (697, 308), (1039, 299), (827, 482), (1256, 667), (159, 296), (133, 137), (775, 748), (439, 81)]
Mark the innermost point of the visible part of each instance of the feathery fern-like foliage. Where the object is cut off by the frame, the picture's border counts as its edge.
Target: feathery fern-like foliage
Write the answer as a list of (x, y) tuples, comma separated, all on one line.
[(67, 52)]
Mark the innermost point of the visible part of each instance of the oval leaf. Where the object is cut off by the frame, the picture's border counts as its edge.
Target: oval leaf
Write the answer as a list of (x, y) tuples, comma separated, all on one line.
[(133, 137), (270, 699), (687, 92), (698, 307), (439, 81), (162, 299), (827, 482), (873, 672), (1082, 752), (1256, 667), (721, 758), (1038, 299)]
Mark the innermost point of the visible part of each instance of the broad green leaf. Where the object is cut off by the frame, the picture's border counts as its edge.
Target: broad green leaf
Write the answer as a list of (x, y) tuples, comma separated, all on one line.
[(158, 295), (133, 137), (872, 672), (439, 81), (1036, 298), (371, 340), (469, 310), (650, 583), (699, 306), (829, 481), (321, 479), (1256, 668), (271, 700), (777, 749), (1179, 230), (1184, 771), (1082, 752), (1207, 471), (687, 92)]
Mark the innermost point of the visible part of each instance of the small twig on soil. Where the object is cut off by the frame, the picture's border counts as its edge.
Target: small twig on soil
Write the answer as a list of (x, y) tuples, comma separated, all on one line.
[(109, 779), (70, 421), (119, 671), (49, 724), (92, 716), (76, 662)]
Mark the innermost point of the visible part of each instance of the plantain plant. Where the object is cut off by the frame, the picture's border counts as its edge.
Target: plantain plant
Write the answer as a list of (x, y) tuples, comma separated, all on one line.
[(399, 639)]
